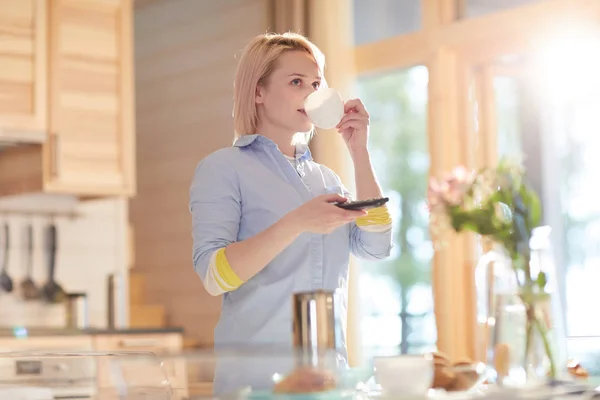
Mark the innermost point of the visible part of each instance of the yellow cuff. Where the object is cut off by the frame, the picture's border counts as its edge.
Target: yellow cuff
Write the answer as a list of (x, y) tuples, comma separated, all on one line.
[(224, 271), (375, 216)]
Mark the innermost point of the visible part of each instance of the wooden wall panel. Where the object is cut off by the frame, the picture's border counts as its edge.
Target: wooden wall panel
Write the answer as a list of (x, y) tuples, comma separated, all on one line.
[(184, 65)]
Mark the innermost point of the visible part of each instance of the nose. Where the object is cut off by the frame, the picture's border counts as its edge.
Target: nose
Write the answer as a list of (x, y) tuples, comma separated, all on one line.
[(311, 89)]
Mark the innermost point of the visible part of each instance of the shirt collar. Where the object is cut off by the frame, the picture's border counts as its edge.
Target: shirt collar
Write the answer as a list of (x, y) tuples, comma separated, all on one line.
[(302, 150), (246, 140)]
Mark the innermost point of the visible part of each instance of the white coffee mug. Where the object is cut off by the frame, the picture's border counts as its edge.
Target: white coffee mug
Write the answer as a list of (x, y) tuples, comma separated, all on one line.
[(325, 108)]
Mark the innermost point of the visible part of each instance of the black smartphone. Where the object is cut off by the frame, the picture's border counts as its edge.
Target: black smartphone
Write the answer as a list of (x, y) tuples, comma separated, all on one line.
[(363, 204)]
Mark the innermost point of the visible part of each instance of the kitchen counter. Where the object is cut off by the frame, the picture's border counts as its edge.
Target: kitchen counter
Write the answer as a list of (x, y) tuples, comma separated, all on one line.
[(23, 332)]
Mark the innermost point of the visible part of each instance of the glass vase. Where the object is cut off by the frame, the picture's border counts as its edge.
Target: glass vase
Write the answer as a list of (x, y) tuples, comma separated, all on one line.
[(521, 324), (546, 346), (541, 350), (501, 315)]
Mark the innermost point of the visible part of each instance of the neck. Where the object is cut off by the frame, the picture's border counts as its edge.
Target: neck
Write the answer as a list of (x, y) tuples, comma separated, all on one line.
[(283, 139)]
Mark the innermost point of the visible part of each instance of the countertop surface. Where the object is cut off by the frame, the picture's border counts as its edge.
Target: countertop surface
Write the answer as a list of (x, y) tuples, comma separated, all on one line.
[(31, 331)]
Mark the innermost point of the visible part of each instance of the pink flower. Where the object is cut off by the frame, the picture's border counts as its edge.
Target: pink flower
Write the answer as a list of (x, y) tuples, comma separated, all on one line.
[(435, 191), (450, 191), (460, 174)]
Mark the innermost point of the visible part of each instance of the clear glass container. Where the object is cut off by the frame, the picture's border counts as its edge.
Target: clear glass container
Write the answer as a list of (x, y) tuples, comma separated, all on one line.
[(551, 346), (521, 316), (250, 373), (261, 372), (498, 313), (83, 375)]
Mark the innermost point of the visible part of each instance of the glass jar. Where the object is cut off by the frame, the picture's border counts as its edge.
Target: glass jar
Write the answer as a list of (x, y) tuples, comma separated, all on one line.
[(521, 321), (546, 354), (501, 315)]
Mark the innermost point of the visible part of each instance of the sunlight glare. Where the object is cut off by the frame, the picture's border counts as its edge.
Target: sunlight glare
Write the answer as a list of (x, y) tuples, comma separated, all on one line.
[(569, 62)]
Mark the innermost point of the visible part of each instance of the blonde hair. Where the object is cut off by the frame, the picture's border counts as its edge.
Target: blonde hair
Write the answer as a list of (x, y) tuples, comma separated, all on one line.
[(257, 62)]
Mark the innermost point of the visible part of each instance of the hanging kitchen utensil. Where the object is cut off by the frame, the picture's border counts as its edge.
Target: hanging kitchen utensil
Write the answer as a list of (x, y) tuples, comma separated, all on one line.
[(52, 291), (6, 283), (28, 287)]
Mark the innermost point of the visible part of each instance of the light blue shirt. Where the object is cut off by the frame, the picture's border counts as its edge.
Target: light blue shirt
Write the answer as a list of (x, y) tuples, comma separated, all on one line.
[(239, 191)]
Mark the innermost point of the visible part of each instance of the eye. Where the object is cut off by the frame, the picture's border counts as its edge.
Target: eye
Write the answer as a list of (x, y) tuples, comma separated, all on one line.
[(316, 85), (296, 82)]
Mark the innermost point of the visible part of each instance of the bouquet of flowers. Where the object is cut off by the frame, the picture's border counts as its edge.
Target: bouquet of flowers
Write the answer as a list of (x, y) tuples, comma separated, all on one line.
[(496, 203)]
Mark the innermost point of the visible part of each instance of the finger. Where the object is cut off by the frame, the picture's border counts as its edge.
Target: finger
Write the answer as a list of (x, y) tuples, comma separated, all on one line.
[(350, 215), (334, 198), (352, 117), (357, 106), (356, 124), (353, 214)]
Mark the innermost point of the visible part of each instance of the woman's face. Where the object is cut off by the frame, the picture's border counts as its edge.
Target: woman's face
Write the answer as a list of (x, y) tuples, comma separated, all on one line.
[(280, 101)]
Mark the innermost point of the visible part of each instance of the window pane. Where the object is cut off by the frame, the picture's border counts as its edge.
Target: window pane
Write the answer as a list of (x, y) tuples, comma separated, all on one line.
[(576, 148), (396, 296), (476, 8), (555, 129), (508, 122), (380, 19)]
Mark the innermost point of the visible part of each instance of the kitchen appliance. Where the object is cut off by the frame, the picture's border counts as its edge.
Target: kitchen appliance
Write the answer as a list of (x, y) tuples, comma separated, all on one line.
[(85, 374), (62, 377), (317, 326), (76, 311)]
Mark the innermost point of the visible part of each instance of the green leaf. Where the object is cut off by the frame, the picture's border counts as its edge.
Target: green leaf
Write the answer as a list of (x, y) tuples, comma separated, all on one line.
[(534, 207), (541, 280)]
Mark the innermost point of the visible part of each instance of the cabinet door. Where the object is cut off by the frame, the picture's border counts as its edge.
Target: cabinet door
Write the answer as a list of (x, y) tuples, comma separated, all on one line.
[(90, 148), (23, 66)]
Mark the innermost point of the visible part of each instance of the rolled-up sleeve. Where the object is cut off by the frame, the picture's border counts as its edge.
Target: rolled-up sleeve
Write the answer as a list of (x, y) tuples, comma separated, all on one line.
[(215, 207), (370, 245), (371, 236)]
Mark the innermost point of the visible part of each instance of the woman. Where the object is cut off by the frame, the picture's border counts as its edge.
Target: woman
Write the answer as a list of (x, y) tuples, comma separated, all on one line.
[(264, 226)]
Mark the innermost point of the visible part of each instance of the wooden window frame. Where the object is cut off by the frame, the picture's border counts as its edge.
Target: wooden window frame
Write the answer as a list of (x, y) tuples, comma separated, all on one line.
[(458, 53)]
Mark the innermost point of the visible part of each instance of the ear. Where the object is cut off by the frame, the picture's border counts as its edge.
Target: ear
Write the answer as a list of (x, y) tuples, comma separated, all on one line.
[(259, 95)]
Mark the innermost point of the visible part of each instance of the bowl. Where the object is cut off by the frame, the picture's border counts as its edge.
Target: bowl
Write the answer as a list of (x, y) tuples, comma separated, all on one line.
[(404, 374)]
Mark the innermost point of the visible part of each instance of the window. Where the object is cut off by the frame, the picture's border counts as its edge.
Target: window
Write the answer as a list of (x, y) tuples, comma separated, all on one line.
[(509, 118), (576, 169), (521, 121), (557, 134), (396, 297), (476, 8), (380, 19)]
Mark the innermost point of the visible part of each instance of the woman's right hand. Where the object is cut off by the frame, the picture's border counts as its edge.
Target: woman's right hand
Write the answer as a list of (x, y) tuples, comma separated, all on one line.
[(319, 215)]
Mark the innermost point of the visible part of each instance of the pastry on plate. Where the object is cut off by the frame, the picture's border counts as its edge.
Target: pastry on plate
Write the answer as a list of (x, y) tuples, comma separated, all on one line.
[(453, 376), (576, 370), (306, 380)]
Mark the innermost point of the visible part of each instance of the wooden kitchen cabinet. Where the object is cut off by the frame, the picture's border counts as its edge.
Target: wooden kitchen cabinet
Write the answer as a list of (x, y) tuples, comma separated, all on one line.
[(89, 148), (23, 70)]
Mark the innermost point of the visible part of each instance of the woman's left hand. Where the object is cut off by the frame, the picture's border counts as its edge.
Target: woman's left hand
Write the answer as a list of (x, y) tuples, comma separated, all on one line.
[(354, 126)]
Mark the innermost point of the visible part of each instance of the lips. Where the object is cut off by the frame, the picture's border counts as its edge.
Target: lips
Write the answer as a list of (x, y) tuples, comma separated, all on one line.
[(301, 110)]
